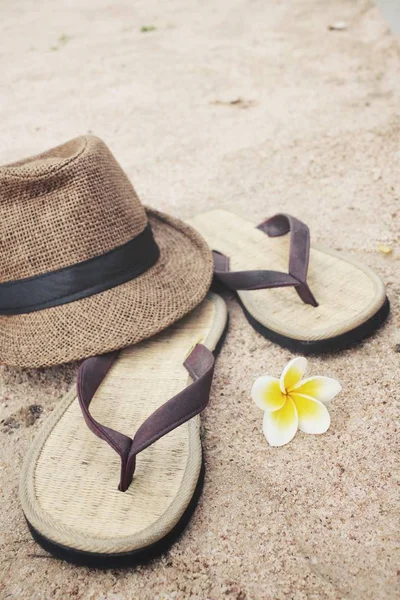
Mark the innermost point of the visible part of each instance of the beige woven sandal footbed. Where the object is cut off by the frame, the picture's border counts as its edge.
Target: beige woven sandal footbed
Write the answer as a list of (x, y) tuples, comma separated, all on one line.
[(351, 298), (69, 481)]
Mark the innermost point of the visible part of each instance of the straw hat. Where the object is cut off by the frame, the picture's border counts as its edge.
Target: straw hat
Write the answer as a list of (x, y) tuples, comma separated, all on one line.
[(84, 267)]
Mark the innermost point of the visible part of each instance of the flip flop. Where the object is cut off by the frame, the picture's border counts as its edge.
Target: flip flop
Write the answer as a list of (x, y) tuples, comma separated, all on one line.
[(338, 302), (84, 501)]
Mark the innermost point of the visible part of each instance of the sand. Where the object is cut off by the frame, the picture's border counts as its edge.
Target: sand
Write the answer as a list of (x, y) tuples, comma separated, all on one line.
[(259, 106)]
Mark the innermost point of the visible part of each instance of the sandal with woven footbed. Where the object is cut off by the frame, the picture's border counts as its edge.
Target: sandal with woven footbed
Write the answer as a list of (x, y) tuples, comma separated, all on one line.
[(89, 505), (323, 302)]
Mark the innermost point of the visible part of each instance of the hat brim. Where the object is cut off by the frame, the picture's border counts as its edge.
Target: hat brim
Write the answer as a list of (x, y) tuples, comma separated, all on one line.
[(121, 316)]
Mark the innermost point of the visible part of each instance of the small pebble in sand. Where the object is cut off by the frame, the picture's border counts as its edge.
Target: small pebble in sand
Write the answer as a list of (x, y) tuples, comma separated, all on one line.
[(26, 416), (338, 26), (238, 102), (383, 249), (397, 340), (376, 174)]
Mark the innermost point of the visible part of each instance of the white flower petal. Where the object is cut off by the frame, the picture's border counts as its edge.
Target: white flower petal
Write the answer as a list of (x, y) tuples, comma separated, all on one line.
[(323, 389), (267, 394), (293, 373), (313, 415), (280, 426)]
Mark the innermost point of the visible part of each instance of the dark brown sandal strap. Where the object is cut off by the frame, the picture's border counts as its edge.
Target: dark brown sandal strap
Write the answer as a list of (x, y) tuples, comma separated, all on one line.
[(249, 280), (298, 261), (182, 407)]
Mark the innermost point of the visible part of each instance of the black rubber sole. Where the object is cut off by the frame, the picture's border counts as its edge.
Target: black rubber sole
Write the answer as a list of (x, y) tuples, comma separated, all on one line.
[(333, 344), (136, 557), (122, 559)]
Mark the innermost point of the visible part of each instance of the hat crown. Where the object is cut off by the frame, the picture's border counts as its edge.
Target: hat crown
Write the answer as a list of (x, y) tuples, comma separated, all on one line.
[(64, 206)]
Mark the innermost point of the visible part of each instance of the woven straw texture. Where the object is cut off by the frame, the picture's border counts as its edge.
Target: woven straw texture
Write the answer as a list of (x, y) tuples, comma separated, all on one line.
[(348, 292), (71, 204), (70, 477)]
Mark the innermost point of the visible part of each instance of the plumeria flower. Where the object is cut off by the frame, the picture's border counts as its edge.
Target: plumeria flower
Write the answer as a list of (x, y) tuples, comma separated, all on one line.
[(292, 402)]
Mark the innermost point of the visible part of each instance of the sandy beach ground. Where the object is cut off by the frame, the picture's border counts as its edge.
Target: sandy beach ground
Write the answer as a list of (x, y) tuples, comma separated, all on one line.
[(264, 107)]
